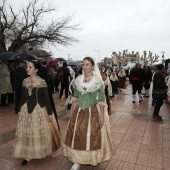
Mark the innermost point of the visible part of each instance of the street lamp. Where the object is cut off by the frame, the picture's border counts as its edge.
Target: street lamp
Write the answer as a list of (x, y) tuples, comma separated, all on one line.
[(163, 56), (98, 54)]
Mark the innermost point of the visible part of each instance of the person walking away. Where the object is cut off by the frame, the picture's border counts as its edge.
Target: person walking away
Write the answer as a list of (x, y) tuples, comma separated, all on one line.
[(34, 138), (19, 75), (159, 85), (63, 76), (136, 81), (88, 138)]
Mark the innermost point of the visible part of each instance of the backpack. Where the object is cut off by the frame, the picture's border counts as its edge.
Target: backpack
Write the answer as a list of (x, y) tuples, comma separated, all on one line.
[(60, 76)]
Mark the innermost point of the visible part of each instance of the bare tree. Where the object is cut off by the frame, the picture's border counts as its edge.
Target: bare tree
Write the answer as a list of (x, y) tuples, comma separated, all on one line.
[(27, 27)]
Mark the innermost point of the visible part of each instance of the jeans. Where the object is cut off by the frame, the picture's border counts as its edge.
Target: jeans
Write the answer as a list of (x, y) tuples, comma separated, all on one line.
[(159, 103)]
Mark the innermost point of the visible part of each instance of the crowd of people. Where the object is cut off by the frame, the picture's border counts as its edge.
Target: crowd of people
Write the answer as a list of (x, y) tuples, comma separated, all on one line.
[(90, 90)]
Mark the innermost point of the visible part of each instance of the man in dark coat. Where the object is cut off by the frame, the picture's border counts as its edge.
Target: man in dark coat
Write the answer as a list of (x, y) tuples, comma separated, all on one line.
[(136, 79), (19, 75), (159, 84), (63, 76)]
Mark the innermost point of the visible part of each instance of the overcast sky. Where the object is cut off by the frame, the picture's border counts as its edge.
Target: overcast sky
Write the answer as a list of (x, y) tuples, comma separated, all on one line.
[(115, 25)]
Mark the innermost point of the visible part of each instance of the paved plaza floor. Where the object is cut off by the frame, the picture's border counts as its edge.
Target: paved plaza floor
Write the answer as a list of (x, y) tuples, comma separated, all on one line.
[(141, 143)]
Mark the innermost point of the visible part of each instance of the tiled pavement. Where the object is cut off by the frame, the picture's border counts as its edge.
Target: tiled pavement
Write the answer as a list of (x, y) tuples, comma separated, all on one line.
[(141, 143)]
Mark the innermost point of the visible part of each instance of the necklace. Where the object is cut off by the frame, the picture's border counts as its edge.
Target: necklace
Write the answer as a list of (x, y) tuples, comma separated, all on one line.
[(85, 80)]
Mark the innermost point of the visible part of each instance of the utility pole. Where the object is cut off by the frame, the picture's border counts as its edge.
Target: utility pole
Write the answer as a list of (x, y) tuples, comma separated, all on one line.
[(163, 56)]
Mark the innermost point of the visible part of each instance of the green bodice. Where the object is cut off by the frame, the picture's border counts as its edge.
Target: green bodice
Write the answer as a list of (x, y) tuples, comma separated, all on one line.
[(89, 99)]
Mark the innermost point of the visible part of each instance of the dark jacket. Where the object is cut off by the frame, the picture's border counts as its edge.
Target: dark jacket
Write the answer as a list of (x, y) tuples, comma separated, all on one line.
[(19, 75), (159, 81), (39, 95), (136, 74), (148, 76), (66, 72)]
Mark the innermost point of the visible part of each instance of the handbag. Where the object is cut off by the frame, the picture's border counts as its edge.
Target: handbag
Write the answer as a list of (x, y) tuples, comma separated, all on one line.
[(159, 94)]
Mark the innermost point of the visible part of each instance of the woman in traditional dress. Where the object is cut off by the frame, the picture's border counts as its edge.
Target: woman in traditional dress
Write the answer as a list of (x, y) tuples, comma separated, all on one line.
[(88, 139), (122, 79), (114, 83), (108, 90), (36, 125)]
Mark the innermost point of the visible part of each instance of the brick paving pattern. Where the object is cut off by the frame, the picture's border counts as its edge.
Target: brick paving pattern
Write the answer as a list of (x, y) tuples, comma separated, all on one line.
[(141, 143)]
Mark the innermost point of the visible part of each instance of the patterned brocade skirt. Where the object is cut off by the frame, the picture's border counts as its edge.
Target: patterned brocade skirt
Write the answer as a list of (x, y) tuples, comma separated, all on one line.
[(85, 142), (34, 135)]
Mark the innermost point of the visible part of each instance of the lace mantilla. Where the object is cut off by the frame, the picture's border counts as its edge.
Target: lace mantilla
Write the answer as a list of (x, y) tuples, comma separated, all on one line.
[(41, 83), (94, 84)]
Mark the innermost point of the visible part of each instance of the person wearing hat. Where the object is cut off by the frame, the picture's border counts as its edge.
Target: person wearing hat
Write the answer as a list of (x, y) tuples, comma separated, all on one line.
[(158, 84)]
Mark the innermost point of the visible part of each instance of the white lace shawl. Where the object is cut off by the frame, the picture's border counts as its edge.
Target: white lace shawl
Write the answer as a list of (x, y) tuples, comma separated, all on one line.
[(84, 87)]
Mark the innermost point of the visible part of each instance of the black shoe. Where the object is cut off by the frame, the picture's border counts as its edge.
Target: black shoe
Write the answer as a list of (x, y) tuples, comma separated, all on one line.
[(157, 118), (160, 117), (133, 101), (141, 100), (24, 162)]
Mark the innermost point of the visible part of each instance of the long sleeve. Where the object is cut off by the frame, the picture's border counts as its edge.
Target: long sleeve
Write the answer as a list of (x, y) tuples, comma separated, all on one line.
[(159, 81)]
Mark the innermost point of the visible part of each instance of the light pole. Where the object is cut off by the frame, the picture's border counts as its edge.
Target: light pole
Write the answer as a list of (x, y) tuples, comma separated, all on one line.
[(163, 56), (98, 54)]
